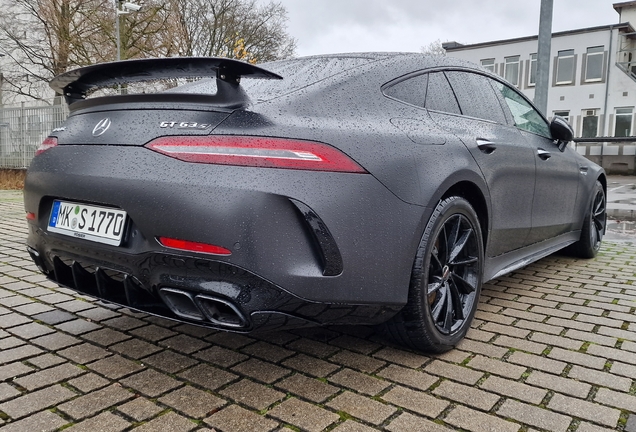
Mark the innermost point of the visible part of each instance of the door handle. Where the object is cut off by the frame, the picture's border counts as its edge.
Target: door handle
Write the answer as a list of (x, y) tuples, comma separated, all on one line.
[(544, 154), (486, 146), (583, 169)]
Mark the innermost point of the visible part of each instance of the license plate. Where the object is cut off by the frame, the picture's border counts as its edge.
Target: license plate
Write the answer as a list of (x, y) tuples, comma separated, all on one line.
[(98, 224)]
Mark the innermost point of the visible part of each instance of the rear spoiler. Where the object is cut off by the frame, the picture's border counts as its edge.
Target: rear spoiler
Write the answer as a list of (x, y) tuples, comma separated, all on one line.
[(76, 84)]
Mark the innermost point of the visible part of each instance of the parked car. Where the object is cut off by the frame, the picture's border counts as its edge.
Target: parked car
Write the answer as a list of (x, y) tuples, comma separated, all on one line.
[(339, 189)]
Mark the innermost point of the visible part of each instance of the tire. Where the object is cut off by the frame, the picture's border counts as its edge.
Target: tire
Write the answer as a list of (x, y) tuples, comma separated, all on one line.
[(593, 226), (445, 281)]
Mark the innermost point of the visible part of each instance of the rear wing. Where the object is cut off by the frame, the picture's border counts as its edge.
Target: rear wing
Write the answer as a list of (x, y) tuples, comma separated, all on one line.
[(76, 84)]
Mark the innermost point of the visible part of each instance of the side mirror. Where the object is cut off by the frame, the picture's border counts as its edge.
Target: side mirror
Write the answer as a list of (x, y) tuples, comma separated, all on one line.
[(561, 132)]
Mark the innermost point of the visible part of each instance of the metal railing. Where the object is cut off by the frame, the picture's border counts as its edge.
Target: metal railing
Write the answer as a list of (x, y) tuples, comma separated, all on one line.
[(22, 130)]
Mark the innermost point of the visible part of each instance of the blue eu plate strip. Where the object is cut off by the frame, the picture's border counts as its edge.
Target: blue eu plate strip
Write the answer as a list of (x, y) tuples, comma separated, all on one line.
[(54, 213)]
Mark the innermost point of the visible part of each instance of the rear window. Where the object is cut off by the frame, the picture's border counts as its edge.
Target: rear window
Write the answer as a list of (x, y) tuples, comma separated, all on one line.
[(296, 73)]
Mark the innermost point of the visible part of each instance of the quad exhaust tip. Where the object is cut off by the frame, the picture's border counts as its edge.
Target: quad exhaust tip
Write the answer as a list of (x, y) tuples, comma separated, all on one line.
[(201, 307)]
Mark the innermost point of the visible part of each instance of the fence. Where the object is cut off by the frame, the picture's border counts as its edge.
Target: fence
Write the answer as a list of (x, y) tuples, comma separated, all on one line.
[(22, 130), (615, 155)]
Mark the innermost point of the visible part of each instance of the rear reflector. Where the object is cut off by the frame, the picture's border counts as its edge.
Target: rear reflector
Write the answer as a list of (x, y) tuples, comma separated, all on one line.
[(193, 246), (30, 216), (48, 143), (256, 152)]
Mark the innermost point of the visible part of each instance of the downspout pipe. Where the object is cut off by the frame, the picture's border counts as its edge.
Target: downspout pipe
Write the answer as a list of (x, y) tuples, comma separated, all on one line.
[(606, 125)]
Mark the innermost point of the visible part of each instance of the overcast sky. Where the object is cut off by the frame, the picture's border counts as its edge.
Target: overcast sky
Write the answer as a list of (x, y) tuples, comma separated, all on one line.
[(329, 26)]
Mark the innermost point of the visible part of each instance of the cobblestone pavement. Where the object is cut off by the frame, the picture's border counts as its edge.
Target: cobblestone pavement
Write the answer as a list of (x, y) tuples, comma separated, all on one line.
[(553, 348)]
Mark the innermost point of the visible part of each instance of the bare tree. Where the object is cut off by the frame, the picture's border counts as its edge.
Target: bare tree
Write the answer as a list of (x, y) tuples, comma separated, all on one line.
[(434, 48), (43, 38)]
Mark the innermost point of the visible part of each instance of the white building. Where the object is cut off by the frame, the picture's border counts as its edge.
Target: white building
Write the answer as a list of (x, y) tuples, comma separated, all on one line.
[(592, 72)]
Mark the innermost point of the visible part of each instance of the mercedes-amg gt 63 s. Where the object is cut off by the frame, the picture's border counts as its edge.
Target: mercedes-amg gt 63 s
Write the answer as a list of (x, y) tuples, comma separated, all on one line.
[(380, 188)]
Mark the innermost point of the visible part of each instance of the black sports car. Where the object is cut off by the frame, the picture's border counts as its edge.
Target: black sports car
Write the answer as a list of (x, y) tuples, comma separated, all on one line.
[(341, 189)]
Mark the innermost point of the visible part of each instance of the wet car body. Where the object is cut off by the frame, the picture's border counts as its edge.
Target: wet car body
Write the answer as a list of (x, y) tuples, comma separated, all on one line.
[(299, 246)]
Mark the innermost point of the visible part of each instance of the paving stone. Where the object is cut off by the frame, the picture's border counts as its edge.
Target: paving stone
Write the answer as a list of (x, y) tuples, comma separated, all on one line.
[(591, 337), (476, 421), (600, 378), (49, 376), (36, 401), (497, 367), (221, 356), (458, 373), (355, 344), (537, 362), (194, 330), (359, 382), (12, 320), (304, 415), (7, 392), (153, 333), (577, 358), (94, 402), (150, 383), (13, 301), (184, 343), (88, 382), (312, 347), (169, 361), (207, 376), (140, 409), (54, 317), (514, 389), (44, 421), (230, 340), (75, 305), (193, 402), (534, 416), (420, 402), (170, 422), (104, 422), (55, 341), (98, 314), (404, 358), (135, 348), (10, 342), (587, 427), (77, 327), (106, 337), (361, 407), (409, 377), (562, 385), (466, 395), (19, 353), (616, 399), (585, 410), (310, 365), (559, 341), (408, 422), (353, 426), (252, 394), (84, 353), (611, 353), (124, 323), (308, 388), (13, 370), (33, 308), (261, 371), (267, 351), (357, 361), (237, 419), (115, 367)]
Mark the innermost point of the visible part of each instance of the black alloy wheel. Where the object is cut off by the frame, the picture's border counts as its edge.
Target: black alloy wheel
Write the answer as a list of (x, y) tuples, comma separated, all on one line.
[(593, 227), (445, 280)]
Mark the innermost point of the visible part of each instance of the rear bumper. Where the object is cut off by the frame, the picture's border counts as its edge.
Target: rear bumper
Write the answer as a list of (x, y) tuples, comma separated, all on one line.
[(323, 247)]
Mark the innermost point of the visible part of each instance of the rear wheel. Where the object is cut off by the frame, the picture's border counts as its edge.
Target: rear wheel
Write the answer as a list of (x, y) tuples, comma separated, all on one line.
[(593, 226), (445, 280)]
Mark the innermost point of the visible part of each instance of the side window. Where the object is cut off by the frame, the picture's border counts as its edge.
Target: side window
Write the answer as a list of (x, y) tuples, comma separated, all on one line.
[(476, 97), (524, 114), (412, 90), (439, 95)]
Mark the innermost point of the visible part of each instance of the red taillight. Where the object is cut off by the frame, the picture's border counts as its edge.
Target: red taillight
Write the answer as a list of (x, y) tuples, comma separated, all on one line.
[(48, 143), (30, 216), (256, 152), (193, 246)]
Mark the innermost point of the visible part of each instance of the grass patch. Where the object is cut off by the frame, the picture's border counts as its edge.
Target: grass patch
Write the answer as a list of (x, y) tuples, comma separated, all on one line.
[(12, 179)]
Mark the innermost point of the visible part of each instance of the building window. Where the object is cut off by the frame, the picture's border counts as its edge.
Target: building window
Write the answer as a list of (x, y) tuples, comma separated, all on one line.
[(511, 70), (564, 114), (590, 124), (532, 75), (488, 64), (565, 67), (623, 124), (594, 64)]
